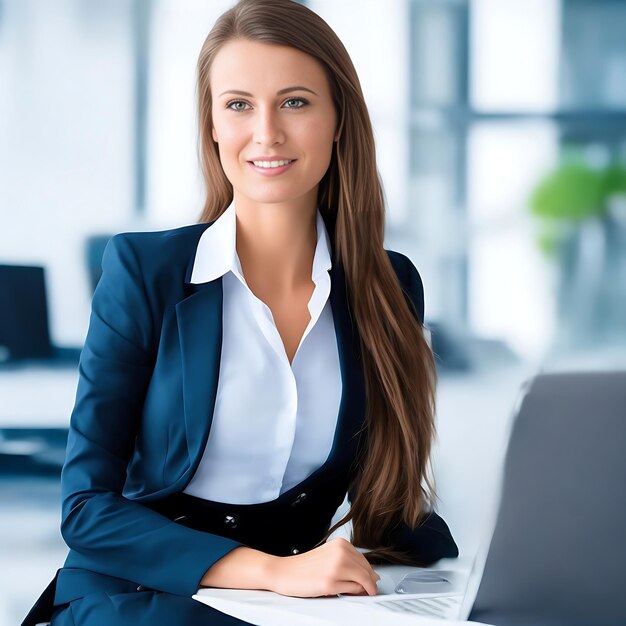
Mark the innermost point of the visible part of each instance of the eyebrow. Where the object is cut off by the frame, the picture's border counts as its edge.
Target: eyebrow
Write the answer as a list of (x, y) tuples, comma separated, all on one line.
[(278, 93)]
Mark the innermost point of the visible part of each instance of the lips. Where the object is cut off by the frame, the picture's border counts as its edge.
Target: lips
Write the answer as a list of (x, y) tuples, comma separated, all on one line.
[(271, 158)]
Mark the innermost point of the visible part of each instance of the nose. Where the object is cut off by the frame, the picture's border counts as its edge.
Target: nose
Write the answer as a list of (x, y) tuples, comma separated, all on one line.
[(268, 129)]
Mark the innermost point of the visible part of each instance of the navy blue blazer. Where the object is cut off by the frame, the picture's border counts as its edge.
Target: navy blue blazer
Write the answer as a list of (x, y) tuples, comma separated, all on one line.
[(148, 379)]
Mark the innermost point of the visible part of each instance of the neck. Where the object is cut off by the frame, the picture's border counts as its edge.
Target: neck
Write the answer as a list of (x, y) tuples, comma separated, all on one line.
[(276, 242)]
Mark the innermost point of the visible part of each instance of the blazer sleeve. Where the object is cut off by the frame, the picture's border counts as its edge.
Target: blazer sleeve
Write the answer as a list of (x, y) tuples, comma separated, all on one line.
[(431, 539), (107, 532)]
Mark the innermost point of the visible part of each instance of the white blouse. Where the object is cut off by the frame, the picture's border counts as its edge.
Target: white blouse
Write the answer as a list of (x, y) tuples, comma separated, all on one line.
[(274, 422)]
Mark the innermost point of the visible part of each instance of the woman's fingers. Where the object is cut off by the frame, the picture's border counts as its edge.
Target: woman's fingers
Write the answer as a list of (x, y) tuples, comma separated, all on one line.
[(360, 570), (362, 562), (368, 567), (363, 578), (332, 568), (350, 588), (367, 582)]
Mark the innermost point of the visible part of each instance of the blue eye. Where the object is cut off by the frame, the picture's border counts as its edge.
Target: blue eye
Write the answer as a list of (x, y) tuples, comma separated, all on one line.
[(301, 100), (302, 103), (229, 105)]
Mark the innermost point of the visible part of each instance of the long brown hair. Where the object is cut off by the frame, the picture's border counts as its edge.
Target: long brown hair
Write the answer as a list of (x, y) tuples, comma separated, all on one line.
[(392, 482)]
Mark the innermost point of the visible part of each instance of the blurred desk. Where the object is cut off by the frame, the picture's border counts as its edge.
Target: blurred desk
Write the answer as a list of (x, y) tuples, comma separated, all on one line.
[(35, 407), (37, 397)]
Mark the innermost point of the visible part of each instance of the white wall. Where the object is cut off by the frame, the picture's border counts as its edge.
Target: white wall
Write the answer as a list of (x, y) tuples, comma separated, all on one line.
[(66, 105)]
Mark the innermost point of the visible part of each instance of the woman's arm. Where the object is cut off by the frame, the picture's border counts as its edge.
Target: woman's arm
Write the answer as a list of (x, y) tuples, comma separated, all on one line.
[(108, 533), (413, 287), (425, 544), (243, 568), (332, 568)]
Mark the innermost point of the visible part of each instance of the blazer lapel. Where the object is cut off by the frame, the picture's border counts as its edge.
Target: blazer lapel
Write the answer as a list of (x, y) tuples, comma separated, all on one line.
[(352, 405), (199, 318)]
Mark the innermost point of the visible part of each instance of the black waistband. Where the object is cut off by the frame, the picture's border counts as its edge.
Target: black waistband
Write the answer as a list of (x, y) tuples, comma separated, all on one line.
[(284, 526)]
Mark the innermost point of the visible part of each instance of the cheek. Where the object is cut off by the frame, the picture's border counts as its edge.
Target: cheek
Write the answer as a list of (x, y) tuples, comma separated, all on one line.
[(322, 137), (316, 136), (227, 135), (225, 132)]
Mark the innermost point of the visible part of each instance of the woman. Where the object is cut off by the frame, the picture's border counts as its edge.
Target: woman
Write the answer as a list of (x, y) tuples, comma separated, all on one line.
[(242, 374)]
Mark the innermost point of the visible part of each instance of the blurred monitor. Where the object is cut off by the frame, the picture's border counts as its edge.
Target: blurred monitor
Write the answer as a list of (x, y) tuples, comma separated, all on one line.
[(24, 331)]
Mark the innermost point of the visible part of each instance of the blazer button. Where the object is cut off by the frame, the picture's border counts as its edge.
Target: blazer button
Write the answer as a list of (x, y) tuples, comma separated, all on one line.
[(231, 521), (299, 499), (295, 551)]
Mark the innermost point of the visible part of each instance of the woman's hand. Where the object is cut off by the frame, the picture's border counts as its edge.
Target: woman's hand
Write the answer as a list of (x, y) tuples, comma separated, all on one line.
[(332, 568)]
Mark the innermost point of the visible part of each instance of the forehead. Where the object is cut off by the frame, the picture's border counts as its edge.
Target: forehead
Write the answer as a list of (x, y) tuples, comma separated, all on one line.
[(244, 64)]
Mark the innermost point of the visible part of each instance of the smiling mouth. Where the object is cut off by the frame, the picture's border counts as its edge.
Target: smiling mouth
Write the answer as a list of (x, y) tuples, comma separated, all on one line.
[(272, 164)]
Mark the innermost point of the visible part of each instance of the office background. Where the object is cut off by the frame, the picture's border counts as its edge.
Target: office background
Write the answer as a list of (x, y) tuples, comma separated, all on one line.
[(501, 138)]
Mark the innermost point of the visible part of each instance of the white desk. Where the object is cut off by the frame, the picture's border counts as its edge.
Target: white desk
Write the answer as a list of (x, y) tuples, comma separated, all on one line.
[(265, 608), (37, 397)]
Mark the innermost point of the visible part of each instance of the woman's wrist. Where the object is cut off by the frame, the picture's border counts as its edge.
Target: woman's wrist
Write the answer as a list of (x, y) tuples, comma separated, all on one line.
[(242, 568)]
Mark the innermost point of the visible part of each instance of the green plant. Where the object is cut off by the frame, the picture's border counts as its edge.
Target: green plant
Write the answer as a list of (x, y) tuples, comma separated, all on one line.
[(572, 193)]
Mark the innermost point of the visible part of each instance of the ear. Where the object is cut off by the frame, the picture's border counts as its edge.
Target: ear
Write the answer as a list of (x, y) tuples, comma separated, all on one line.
[(214, 134)]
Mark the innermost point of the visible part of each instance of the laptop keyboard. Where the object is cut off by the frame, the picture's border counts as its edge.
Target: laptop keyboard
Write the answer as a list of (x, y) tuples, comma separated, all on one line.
[(443, 606)]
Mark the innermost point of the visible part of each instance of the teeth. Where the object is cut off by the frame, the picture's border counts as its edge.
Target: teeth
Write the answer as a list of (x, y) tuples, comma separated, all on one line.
[(270, 163)]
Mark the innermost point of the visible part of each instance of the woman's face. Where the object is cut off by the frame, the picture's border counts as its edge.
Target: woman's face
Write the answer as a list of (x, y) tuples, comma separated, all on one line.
[(270, 103)]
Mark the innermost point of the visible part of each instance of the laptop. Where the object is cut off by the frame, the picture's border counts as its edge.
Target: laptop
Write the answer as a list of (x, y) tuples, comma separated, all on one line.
[(558, 551), (554, 553)]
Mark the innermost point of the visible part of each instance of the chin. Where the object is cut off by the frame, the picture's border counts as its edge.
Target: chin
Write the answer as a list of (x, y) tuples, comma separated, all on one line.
[(271, 198)]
